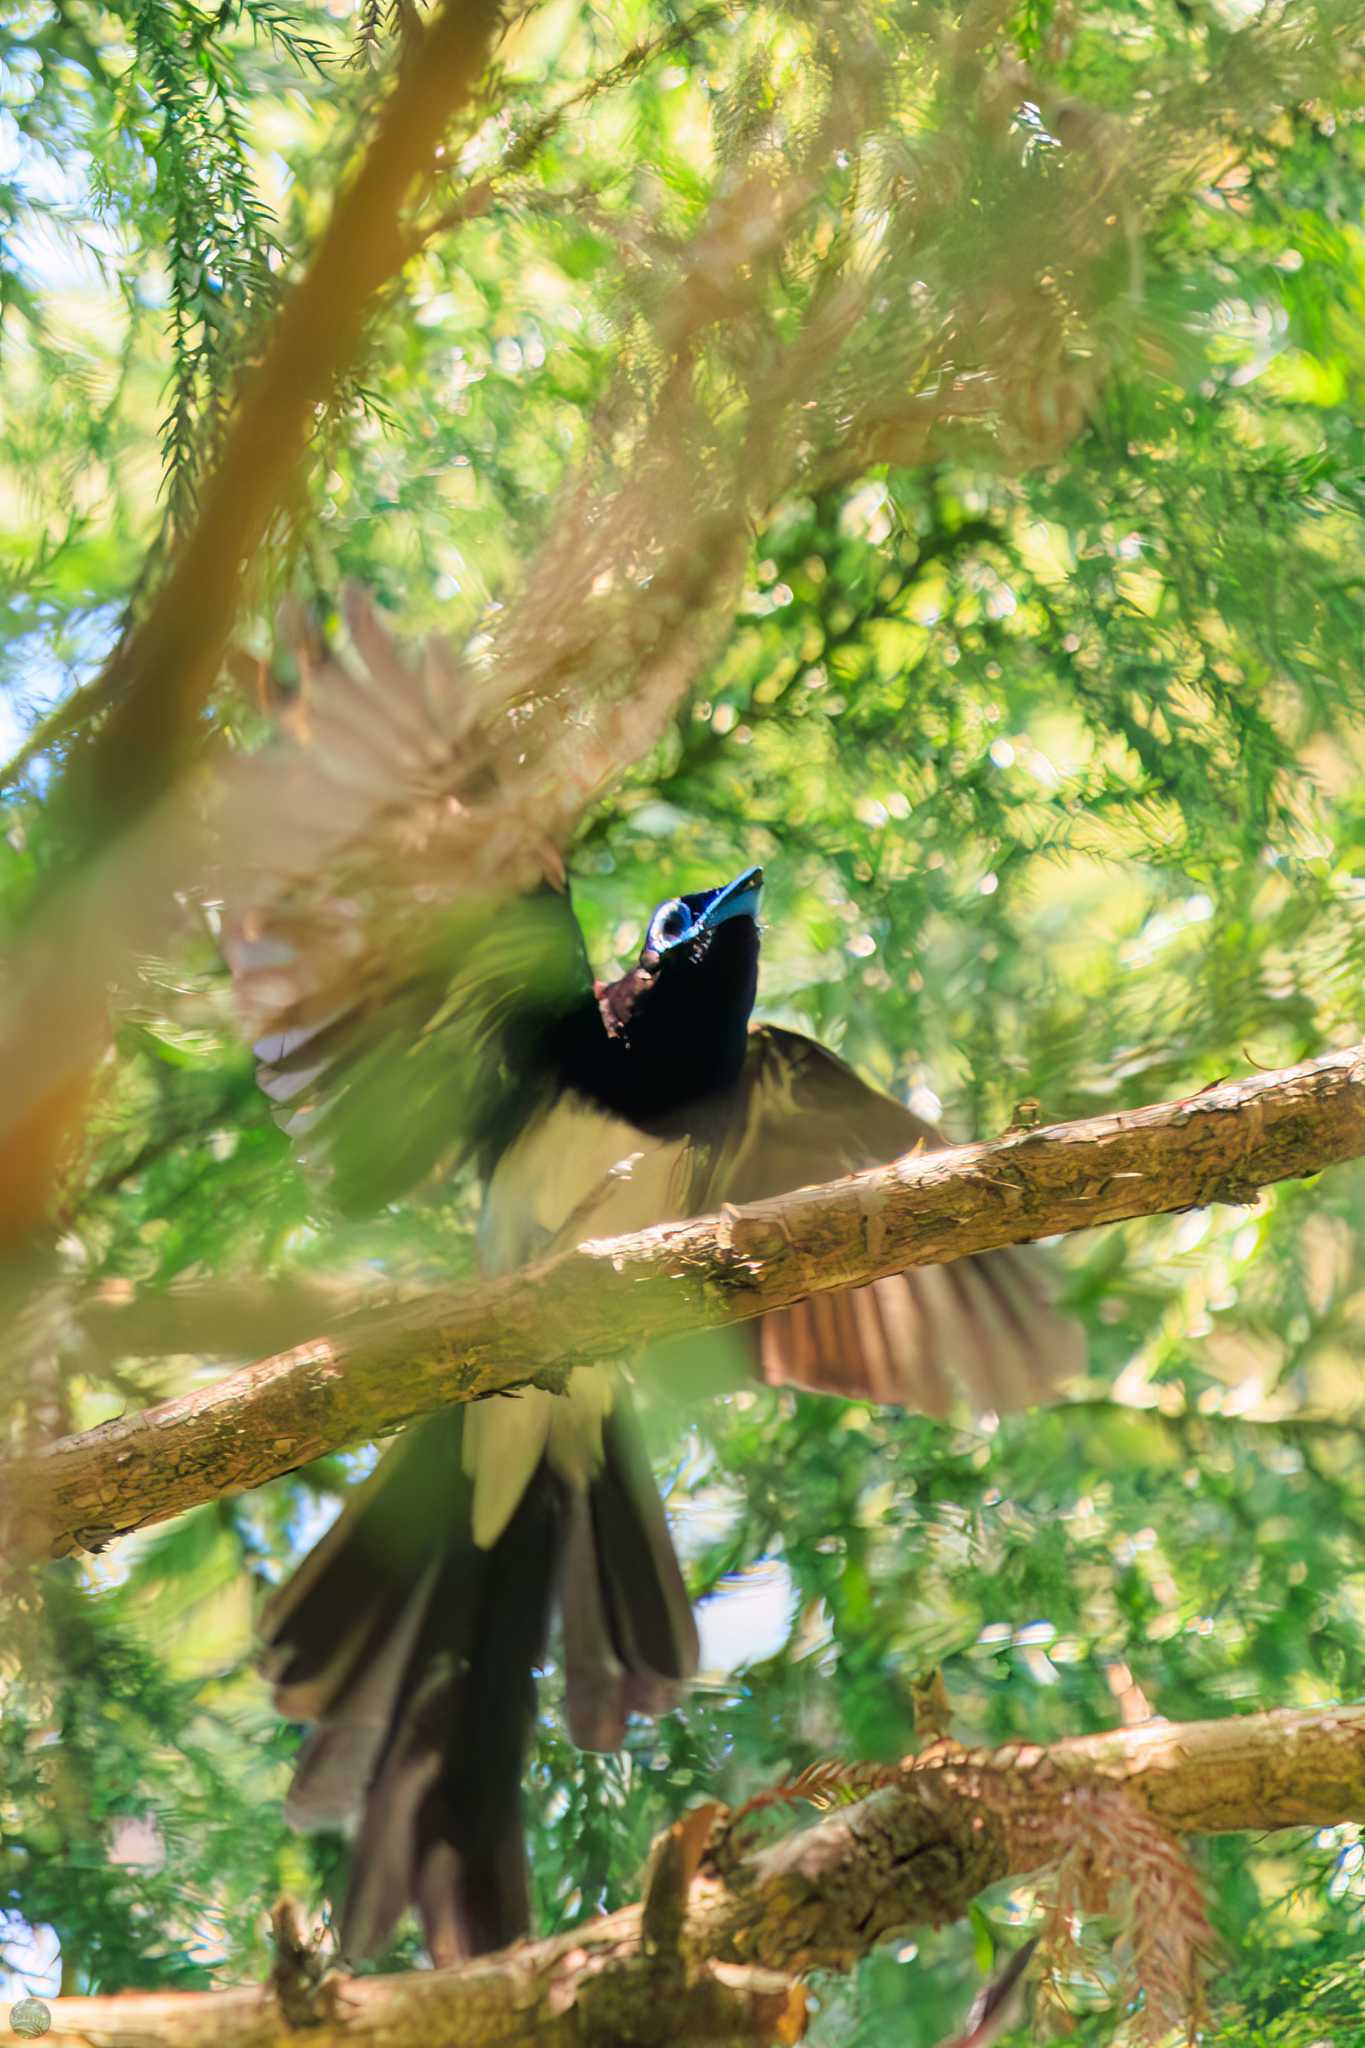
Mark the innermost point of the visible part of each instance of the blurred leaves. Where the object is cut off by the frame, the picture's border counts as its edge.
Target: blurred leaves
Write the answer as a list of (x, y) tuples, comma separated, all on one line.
[(1035, 686)]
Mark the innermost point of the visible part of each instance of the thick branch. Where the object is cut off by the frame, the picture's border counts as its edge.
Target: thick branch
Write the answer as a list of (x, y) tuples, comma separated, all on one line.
[(915, 1852), (381, 1366)]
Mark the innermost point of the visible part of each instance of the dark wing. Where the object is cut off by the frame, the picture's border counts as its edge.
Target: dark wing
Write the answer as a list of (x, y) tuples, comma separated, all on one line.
[(983, 1327), (401, 939), (382, 1084)]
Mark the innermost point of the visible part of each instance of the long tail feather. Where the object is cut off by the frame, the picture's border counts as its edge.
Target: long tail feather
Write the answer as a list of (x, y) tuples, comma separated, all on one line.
[(644, 1584), (413, 1650), (630, 1640), (442, 1822)]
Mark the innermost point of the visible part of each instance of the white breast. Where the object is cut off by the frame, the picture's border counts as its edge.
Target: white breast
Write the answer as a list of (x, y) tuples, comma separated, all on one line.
[(575, 1172)]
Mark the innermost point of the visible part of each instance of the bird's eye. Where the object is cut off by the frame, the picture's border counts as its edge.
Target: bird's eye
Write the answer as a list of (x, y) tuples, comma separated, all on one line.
[(671, 921)]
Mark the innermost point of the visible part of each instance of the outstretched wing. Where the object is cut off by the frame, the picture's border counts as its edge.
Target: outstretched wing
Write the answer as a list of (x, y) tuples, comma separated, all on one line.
[(983, 1327), (401, 938)]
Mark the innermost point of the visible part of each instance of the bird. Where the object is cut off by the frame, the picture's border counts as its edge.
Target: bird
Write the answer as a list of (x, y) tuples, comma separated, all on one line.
[(395, 909), (410, 1637)]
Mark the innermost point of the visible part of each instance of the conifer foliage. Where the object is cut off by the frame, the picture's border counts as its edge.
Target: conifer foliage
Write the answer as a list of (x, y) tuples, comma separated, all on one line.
[(918, 449)]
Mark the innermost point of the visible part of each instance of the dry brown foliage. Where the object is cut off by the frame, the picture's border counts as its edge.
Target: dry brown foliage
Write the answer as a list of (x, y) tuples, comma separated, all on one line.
[(1098, 1850)]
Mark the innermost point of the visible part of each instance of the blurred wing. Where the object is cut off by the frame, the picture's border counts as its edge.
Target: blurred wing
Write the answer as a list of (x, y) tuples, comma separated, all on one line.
[(401, 940), (982, 1327)]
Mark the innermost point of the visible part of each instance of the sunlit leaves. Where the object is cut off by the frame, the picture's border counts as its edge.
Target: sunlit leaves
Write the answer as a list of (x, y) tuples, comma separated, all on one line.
[(1050, 747)]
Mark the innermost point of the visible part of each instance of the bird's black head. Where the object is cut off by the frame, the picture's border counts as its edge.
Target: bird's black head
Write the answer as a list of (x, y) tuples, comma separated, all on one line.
[(686, 929), (678, 1022)]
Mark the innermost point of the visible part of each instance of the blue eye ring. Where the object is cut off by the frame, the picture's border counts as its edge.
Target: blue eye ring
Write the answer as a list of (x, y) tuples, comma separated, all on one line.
[(686, 920), (670, 923)]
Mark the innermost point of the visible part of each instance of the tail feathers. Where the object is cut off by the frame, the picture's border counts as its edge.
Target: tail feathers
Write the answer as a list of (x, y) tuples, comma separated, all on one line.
[(337, 1761), (325, 1630), (630, 1640), (393, 1637), (442, 1821), (414, 1652)]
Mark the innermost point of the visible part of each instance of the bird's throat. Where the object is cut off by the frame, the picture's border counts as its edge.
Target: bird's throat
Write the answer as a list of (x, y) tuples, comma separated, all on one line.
[(671, 1032)]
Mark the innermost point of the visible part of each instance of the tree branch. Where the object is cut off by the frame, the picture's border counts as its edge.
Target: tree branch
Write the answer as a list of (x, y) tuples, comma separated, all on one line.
[(157, 680), (386, 1363), (917, 1851), (165, 670)]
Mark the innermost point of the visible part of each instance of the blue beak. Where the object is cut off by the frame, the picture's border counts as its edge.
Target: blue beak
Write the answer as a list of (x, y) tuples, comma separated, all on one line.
[(737, 899)]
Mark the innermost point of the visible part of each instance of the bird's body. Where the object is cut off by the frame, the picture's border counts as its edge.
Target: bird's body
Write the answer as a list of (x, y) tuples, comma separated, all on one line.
[(411, 1634)]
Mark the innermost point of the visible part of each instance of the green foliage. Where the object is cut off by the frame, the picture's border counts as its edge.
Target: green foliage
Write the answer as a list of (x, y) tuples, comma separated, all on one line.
[(1054, 761)]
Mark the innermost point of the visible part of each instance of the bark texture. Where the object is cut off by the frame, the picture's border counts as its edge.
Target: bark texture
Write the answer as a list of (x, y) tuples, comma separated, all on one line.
[(380, 1366), (715, 1951)]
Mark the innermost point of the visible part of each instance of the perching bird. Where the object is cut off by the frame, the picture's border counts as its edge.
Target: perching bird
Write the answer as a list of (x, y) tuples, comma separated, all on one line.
[(411, 1634), (405, 954)]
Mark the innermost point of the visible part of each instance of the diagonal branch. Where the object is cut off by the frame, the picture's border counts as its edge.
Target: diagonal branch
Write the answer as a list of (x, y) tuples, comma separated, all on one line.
[(162, 674), (387, 1362), (917, 1851), (98, 911)]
